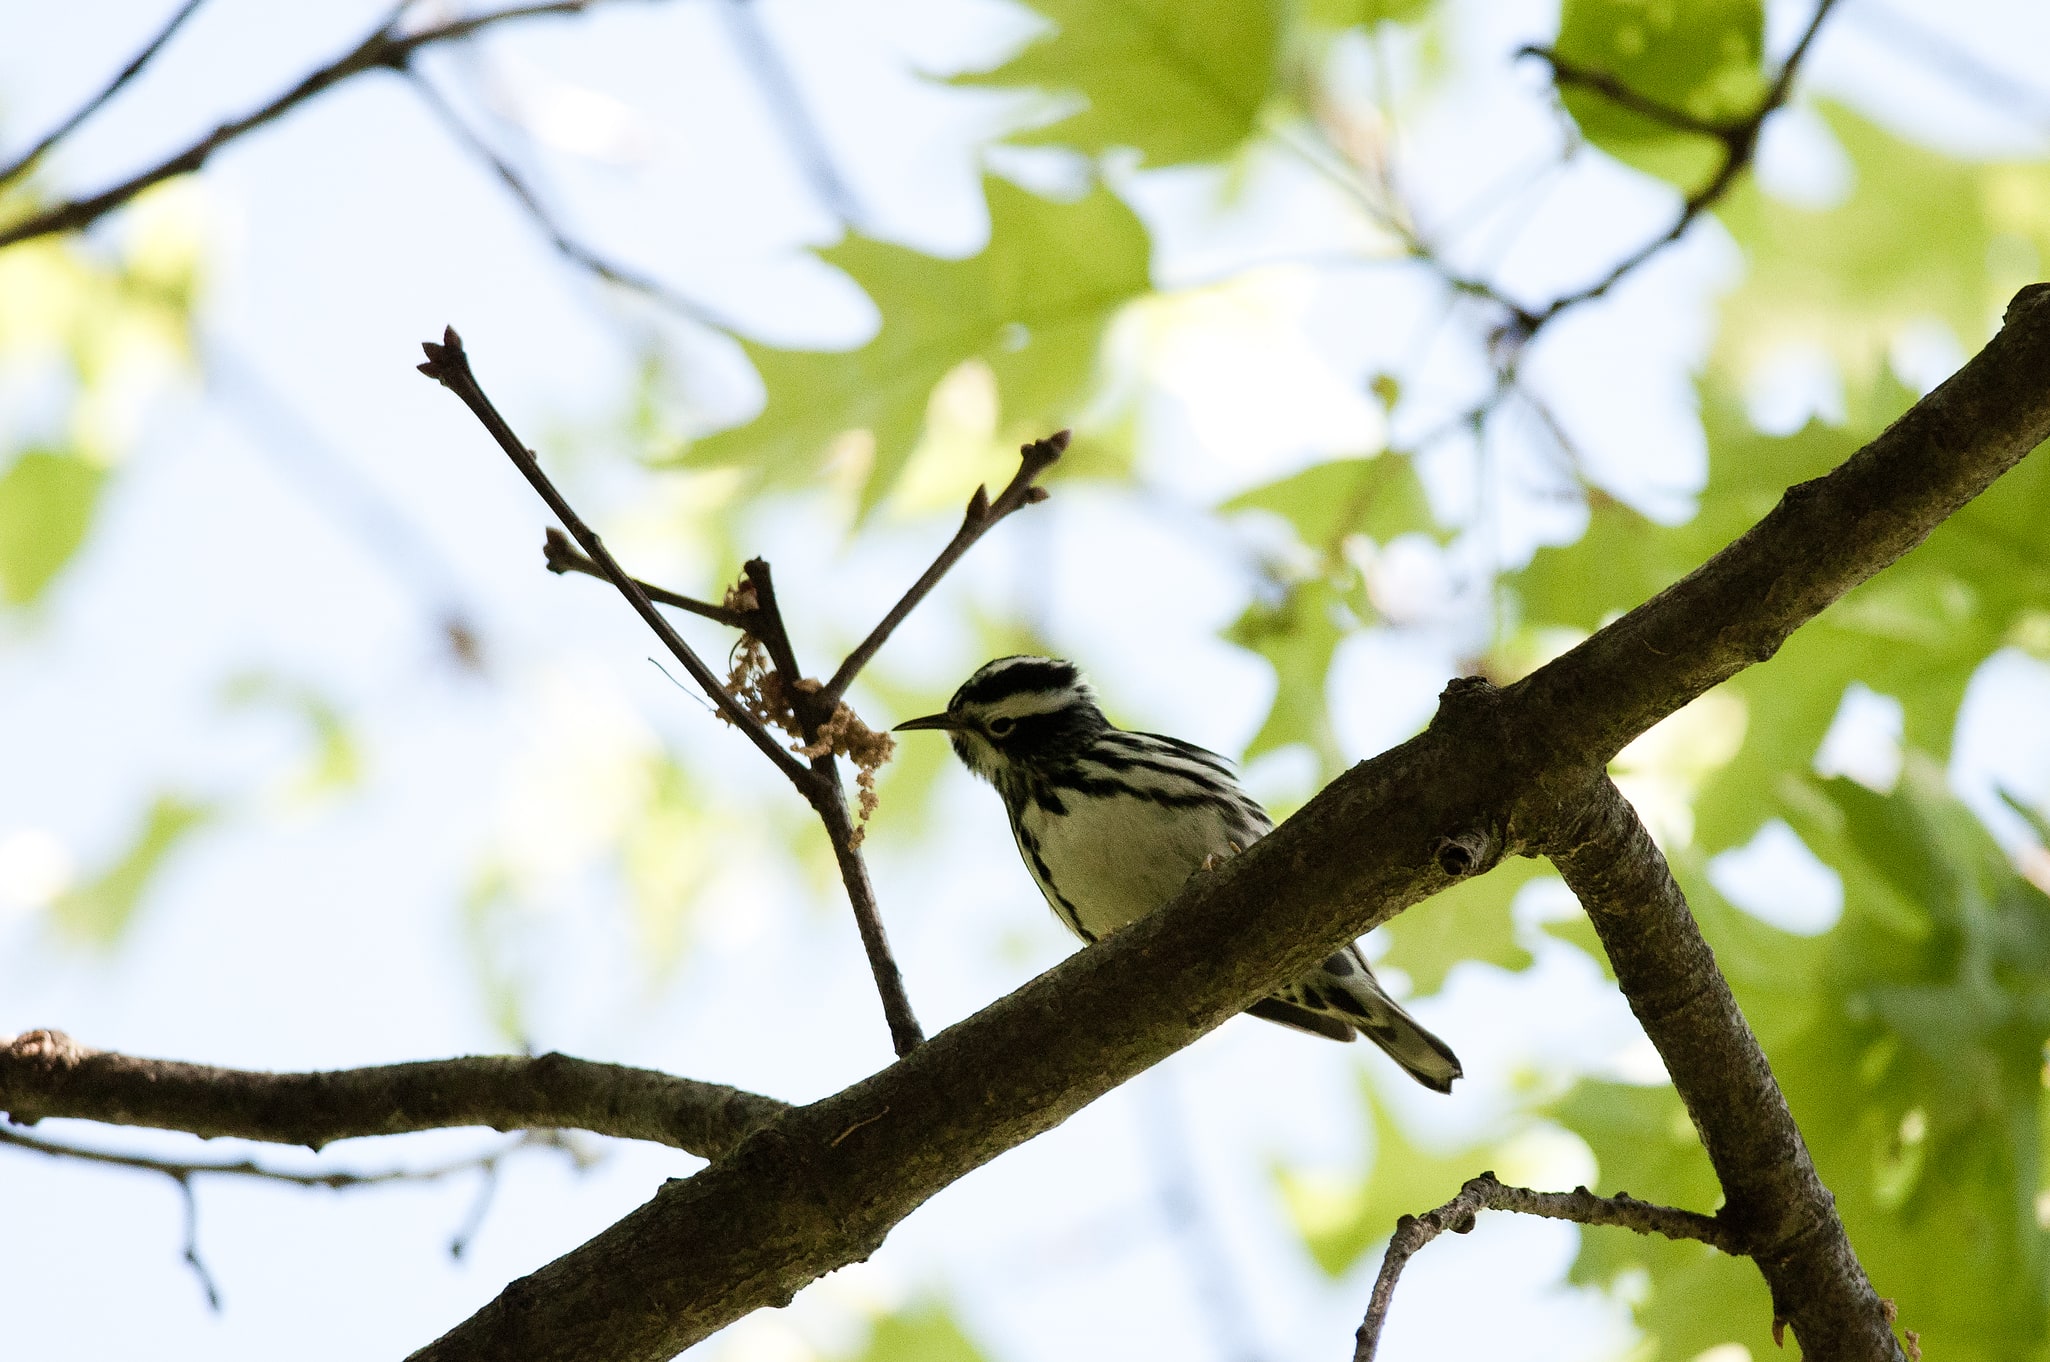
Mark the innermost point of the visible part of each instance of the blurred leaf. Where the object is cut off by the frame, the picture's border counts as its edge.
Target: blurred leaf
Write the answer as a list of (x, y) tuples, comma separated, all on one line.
[(1177, 81), (1701, 58), (925, 1332), (2037, 823), (46, 506), (1340, 1217), (1380, 497), (1347, 13), (1909, 1041), (1298, 635), (1032, 305), (1916, 632), (335, 763), (1919, 237), (1469, 921), (1644, 1144), (100, 910)]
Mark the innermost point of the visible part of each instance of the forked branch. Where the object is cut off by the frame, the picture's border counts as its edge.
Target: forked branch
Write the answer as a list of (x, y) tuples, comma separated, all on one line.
[(1484, 1193)]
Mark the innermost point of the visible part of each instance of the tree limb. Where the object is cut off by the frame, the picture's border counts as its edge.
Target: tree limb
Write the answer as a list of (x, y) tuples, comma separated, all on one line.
[(387, 48), (48, 1074), (14, 169), (1775, 1205), (1484, 1193), (823, 1184)]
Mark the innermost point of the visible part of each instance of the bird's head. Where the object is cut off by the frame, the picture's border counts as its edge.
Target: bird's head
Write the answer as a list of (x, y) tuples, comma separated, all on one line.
[(1018, 711)]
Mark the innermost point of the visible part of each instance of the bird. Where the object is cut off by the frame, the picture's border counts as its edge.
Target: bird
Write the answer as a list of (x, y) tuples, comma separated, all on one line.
[(1111, 824)]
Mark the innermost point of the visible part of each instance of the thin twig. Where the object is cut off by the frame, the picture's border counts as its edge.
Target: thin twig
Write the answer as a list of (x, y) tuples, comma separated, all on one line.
[(448, 365), (786, 102), (184, 1169), (1739, 144), (1568, 72), (1484, 1193), (572, 250), (829, 799), (561, 556), (191, 1254), (24, 162), (385, 49), (1022, 490)]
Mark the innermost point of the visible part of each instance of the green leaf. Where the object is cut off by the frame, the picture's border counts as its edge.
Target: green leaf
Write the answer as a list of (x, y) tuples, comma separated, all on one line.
[(1701, 58), (1469, 921), (100, 910), (1178, 80), (1694, 1297), (926, 1332), (1298, 635), (1348, 13), (1033, 306), (46, 506), (1920, 236), (1380, 497)]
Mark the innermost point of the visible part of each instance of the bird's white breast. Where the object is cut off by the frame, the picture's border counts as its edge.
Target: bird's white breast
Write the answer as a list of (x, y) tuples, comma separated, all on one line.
[(1119, 857)]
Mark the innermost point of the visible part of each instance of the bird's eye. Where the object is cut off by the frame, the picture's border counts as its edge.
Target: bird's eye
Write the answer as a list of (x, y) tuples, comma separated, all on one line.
[(1001, 725)]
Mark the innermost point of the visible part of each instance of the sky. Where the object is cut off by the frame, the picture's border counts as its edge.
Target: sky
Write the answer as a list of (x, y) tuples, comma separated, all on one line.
[(314, 512)]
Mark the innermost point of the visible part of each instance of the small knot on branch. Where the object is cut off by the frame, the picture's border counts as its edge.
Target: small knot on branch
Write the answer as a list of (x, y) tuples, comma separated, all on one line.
[(1465, 853), (559, 554), (50, 1049)]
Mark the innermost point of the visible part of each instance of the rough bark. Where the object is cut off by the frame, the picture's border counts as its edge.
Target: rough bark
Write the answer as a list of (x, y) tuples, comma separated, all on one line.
[(46, 1073), (822, 1185)]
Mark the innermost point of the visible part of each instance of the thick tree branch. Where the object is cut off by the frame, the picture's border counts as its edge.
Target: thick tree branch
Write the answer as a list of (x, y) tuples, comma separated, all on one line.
[(1775, 1205), (387, 48), (822, 1185), (14, 169), (1484, 1193), (48, 1074)]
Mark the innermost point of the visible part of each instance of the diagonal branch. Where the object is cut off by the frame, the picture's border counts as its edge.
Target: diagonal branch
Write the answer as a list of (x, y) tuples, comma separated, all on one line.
[(824, 1184), (1484, 1193), (561, 556), (819, 783), (1775, 1204), (48, 1074), (387, 48), (982, 514), (14, 169), (448, 365), (567, 246)]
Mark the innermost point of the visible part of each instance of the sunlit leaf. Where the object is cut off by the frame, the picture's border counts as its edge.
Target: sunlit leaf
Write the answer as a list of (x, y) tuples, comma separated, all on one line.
[(102, 909), (1297, 634), (925, 1332), (1176, 81), (46, 507), (1381, 498), (1920, 237), (1469, 921), (1701, 58), (1032, 305)]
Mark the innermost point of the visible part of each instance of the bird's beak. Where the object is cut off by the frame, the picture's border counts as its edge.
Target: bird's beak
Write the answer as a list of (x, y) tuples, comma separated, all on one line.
[(943, 721)]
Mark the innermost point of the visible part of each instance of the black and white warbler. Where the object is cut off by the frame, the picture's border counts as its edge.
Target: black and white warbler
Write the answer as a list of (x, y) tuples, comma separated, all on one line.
[(1112, 823)]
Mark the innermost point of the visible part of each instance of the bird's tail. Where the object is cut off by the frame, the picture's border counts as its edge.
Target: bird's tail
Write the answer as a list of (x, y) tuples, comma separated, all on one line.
[(1341, 997)]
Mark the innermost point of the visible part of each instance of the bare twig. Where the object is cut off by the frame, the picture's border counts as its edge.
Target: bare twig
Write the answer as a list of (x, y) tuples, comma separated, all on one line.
[(387, 48), (1568, 72), (786, 103), (1022, 490), (183, 1170), (1484, 1193), (449, 365), (48, 1074), (813, 713), (28, 159), (561, 556), (572, 250), (1739, 142), (819, 782), (191, 1254)]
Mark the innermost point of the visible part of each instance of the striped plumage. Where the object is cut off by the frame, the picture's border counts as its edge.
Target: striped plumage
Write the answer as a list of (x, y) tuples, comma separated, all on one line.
[(1112, 823)]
